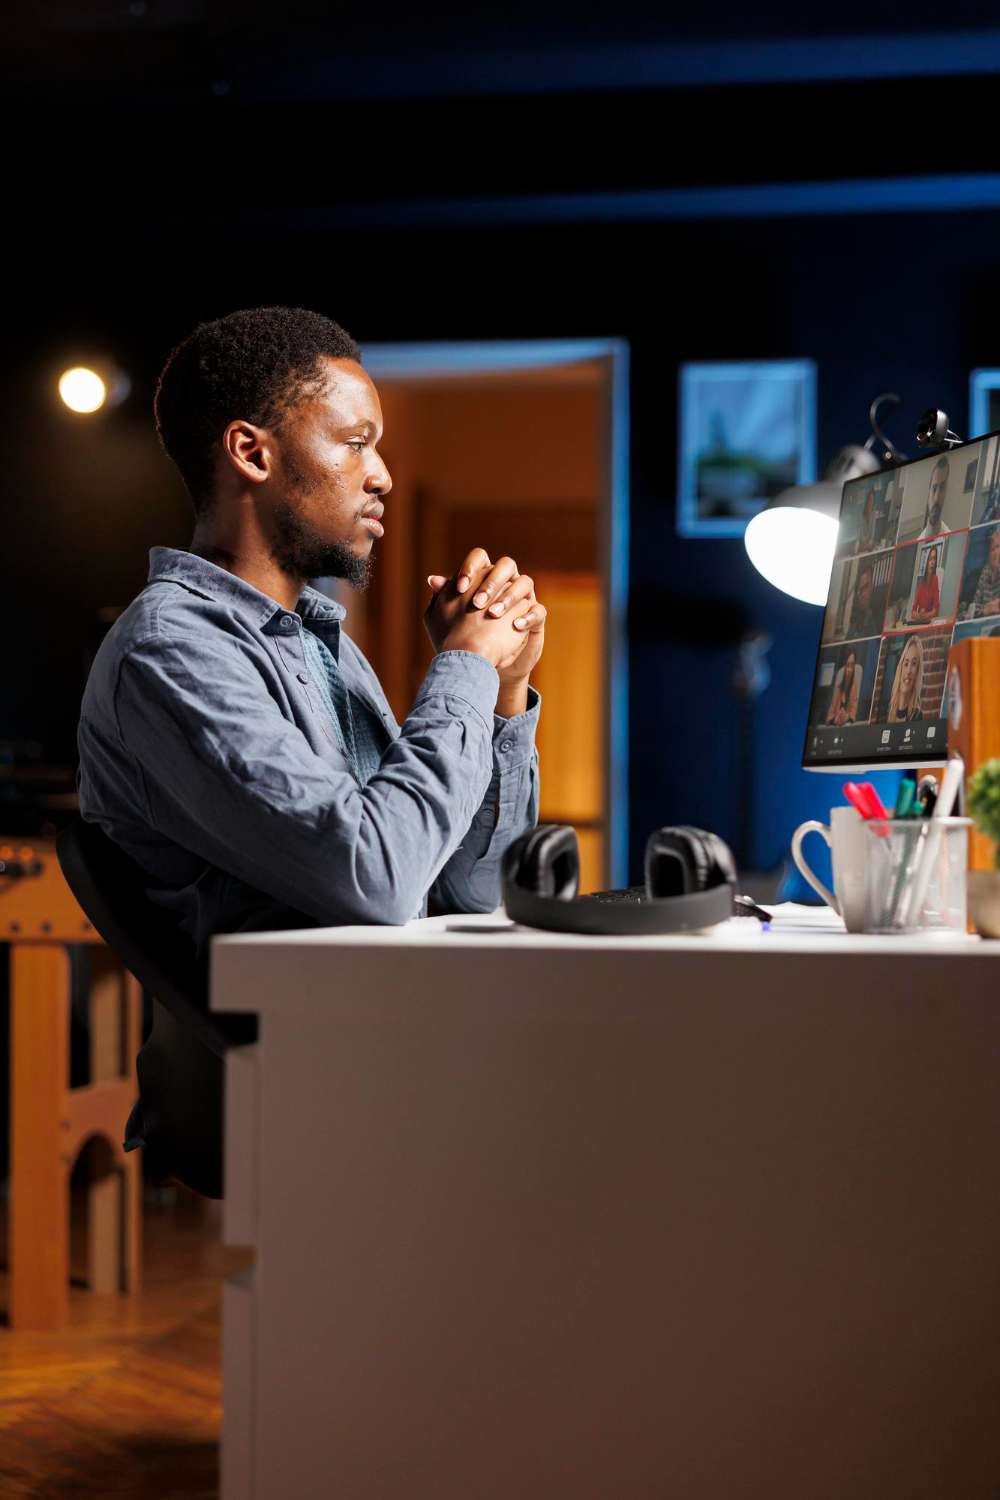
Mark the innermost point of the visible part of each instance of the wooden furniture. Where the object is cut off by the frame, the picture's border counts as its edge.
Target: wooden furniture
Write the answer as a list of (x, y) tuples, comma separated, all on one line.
[(49, 1121), (972, 703), (548, 1217), (570, 736)]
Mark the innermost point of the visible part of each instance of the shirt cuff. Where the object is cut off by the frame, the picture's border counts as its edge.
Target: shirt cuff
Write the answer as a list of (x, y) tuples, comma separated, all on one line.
[(466, 675), (514, 739)]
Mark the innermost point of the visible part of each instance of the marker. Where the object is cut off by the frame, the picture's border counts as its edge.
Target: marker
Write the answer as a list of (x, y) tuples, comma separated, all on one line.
[(863, 796), (904, 802)]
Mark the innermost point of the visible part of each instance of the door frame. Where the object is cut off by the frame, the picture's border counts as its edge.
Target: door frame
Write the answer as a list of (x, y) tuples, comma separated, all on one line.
[(414, 361)]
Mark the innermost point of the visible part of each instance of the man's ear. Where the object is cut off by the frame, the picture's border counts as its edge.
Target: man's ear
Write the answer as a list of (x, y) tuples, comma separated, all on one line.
[(246, 449)]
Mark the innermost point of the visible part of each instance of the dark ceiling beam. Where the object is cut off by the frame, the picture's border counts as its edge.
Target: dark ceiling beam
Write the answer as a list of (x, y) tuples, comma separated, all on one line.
[(608, 67), (221, 159), (162, 54)]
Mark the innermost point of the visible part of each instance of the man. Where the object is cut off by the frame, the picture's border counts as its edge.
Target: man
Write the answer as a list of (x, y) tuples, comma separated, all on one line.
[(987, 596), (865, 618), (233, 739), (935, 500)]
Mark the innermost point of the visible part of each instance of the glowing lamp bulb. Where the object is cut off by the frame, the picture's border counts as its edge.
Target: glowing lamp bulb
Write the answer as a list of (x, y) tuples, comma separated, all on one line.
[(793, 549), (82, 390)]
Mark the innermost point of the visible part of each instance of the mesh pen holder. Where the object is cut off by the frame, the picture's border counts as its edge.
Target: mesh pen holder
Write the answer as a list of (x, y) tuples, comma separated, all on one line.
[(915, 875)]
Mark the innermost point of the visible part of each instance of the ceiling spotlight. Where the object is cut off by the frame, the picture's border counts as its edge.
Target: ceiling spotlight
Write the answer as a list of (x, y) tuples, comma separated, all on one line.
[(86, 388), (82, 390)]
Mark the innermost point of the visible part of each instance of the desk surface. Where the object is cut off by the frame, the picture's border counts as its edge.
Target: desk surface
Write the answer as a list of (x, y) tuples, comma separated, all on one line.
[(547, 1216), (263, 972), (801, 931)]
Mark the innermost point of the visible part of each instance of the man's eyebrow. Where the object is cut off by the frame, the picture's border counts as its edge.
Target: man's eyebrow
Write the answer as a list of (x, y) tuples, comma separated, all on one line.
[(365, 424)]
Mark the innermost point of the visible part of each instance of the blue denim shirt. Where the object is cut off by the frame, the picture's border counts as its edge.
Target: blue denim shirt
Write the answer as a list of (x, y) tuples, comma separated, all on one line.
[(207, 753)]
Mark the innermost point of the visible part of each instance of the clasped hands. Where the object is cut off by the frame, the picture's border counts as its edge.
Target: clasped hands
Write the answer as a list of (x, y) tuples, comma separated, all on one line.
[(490, 609)]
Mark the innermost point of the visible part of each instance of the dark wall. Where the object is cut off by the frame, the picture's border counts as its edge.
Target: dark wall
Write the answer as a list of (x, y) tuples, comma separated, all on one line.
[(908, 302)]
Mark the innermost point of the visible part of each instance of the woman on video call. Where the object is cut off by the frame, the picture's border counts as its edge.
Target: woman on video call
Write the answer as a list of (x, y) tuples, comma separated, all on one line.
[(846, 692), (907, 685), (927, 599)]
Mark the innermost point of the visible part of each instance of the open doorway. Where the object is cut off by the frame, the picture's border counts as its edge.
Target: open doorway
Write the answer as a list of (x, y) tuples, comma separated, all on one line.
[(520, 448)]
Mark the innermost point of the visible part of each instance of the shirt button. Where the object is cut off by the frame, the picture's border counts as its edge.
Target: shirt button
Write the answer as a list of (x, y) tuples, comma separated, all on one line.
[(286, 622), (506, 744), (303, 676)]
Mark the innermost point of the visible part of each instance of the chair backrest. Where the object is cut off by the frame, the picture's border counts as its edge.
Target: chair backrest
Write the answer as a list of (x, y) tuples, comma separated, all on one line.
[(110, 887)]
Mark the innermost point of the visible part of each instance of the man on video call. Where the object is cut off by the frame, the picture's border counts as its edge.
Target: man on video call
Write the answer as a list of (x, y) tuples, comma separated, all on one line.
[(935, 499), (866, 616), (233, 739)]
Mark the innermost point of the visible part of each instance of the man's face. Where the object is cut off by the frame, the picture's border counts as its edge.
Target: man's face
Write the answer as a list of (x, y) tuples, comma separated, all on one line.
[(935, 497), (329, 479), (864, 591), (994, 551)]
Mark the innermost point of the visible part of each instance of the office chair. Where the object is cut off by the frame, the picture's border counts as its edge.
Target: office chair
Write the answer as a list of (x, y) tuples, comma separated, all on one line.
[(180, 1067)]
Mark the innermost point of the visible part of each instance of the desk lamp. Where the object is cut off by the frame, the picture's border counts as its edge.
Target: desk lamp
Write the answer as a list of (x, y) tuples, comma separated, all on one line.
[(792, 542)]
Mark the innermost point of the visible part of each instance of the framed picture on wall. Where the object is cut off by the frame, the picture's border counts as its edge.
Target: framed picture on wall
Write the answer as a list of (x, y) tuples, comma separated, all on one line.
[(984, 402), (747, 432)]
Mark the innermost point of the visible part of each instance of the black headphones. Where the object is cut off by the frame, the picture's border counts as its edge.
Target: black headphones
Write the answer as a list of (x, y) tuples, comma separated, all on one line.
[(690, 883)]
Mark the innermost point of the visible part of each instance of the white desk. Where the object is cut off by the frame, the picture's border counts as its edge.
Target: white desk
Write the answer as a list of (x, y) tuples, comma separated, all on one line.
[(706, 1217)]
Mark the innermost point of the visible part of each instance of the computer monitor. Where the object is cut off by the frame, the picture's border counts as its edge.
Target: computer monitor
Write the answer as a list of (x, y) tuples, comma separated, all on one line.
[(917, 565)]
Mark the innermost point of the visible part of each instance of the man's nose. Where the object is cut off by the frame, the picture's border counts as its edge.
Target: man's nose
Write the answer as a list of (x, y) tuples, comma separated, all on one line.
[(379, 481)]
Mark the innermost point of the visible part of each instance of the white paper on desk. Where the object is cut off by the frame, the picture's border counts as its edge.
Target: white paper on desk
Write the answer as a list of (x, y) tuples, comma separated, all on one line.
[(790, 916)]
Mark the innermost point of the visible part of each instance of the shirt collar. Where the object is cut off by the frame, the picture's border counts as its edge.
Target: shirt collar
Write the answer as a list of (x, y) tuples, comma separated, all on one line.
[(212, 582)]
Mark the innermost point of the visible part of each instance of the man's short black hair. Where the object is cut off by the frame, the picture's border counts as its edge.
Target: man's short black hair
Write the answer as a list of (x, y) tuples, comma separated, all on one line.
[(253, 365)]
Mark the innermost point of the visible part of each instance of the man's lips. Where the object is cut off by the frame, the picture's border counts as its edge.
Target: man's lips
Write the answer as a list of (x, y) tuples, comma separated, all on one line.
[(371, 519)]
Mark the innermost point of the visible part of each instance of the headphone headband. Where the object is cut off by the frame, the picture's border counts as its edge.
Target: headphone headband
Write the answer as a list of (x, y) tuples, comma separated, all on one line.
[(690, 882)]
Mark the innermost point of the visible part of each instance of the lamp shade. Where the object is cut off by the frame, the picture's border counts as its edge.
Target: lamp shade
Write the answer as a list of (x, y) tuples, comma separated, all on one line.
[(793, 541)]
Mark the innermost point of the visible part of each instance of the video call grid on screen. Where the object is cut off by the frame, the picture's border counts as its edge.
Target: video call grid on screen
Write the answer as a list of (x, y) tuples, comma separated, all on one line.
[(917, 566)]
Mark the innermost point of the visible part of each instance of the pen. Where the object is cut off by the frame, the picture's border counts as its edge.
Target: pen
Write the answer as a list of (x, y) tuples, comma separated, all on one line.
[(930, 838), (927, 792)]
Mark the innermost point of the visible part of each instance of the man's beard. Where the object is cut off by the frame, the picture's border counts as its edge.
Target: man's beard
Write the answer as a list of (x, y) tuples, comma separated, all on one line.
[(301, 552)]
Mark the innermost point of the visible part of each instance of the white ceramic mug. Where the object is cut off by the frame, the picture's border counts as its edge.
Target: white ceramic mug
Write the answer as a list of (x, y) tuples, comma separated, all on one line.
[(845, 835)]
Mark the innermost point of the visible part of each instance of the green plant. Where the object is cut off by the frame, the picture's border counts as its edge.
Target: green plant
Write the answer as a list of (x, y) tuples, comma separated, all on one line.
[(984, 802)]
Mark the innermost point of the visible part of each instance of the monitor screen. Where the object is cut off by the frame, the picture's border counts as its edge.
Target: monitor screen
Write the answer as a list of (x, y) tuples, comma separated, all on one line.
[(917, 565)]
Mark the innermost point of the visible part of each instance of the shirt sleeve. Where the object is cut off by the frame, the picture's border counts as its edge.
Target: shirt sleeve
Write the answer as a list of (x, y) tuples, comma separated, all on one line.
[(229, 778), (470, 881)]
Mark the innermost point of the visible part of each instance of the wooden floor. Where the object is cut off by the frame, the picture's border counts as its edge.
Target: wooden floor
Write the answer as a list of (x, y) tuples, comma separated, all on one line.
[(126, 1400)]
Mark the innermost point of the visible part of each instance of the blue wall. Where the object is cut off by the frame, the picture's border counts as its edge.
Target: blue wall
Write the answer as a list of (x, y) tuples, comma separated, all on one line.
[(906, 302)]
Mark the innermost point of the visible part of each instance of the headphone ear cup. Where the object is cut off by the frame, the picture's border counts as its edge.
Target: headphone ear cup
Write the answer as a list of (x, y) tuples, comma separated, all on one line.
[(722, 865), (684, 859), (671, 864), (545, 861)]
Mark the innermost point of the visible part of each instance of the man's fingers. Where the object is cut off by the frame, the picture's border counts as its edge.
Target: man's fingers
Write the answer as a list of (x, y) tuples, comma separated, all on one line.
[(475, 562), (534, 619), (511, 593), (501, 573), (437, 582)]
